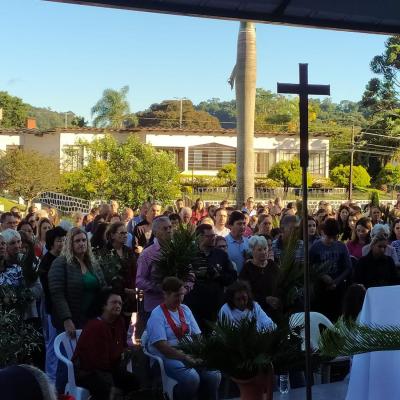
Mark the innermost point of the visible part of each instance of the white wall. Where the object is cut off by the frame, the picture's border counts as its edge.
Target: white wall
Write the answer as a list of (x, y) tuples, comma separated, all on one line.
[(5, 140), (70, 139), (53, 143), (273, 143)]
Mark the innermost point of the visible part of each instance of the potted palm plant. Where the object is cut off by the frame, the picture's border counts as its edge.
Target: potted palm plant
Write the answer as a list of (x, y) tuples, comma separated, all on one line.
[(246, 354)]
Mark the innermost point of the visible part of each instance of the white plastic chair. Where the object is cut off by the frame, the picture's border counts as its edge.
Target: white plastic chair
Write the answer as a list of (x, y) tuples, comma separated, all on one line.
[(316, 320), (167, 382), (69, 344)]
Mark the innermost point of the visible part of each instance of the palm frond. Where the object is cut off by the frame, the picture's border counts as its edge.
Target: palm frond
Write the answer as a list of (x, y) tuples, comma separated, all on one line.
[(181, 256), (347, 338), (291, 277), (240, 350)]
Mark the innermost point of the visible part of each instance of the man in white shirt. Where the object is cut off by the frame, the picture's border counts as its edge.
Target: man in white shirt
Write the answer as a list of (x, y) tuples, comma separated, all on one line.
[(250, 207), (221, 217)]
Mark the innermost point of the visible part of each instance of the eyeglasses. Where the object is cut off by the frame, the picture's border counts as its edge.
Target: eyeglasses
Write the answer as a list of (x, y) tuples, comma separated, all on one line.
[(122, 233), (222, 246)]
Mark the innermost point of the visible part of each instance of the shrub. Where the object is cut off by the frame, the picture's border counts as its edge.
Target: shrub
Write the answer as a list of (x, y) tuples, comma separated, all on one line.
[(340, 176), (266, 183), (322, 182)]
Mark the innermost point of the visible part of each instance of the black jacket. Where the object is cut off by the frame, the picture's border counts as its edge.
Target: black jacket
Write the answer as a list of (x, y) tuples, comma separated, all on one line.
[(371, 271)]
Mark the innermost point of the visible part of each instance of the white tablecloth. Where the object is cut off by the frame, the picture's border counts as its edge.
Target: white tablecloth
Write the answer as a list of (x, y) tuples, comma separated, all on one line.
[(376, 376)]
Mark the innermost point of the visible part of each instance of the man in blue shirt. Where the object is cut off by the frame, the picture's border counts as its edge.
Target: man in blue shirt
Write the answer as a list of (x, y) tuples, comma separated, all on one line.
[(238, 245), (139, 218)]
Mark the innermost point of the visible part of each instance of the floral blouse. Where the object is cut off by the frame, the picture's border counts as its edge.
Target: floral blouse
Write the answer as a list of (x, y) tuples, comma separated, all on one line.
[(12, 276)]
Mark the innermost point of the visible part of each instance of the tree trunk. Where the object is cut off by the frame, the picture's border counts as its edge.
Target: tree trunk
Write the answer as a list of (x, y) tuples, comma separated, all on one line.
[(245, 84)]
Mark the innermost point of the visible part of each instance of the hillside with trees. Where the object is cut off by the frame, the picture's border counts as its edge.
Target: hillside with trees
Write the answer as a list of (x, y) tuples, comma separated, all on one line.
[(169, 114), (16, 111)]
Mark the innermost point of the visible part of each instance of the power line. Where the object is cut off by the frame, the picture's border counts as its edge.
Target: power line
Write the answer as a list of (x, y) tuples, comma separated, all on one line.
[(384, 136), (363, 151), (378, 145)]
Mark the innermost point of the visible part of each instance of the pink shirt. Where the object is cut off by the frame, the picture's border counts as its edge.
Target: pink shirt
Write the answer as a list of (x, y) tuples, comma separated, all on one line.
[(355, 249), (153, 295)]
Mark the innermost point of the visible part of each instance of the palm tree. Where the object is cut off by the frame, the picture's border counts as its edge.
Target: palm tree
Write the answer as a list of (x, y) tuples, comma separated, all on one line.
[(245, 84), (112, 110)]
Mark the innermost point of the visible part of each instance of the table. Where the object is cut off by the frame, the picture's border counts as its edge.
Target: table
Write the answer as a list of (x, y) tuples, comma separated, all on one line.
[(376, 376)]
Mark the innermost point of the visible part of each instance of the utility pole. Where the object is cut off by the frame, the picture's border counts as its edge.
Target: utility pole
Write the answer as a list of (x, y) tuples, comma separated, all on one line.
[(180, 110), (351, 165), (181, 114)]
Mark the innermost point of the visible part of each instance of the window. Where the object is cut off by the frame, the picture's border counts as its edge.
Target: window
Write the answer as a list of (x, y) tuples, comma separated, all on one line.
[(316, 165), (73, 157), (178, 153), (262, 162), (211, 156), (289, 154)]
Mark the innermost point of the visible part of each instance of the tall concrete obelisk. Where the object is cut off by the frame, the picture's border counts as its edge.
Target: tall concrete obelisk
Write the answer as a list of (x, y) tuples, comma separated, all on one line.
[(245, 86)]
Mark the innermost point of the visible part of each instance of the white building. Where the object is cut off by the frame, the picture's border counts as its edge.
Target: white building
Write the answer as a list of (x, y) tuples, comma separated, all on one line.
[(196, 151)]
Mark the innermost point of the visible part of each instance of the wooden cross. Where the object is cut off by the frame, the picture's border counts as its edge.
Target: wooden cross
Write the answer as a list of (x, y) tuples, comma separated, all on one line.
[(304, 89)]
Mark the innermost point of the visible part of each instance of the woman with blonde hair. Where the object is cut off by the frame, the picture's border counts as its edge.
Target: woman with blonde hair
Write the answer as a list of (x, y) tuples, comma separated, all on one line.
[(77, 219), (74, 281), (54, 216)]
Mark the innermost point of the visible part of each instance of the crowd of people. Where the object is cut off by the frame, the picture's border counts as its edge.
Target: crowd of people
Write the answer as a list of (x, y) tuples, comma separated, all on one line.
[(94, 271)]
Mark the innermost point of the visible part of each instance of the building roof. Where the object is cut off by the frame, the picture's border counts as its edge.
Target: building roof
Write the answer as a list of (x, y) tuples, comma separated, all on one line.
[(166, 131), (371, 16)]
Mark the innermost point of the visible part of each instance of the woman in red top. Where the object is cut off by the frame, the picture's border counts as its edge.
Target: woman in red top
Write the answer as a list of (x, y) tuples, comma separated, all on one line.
[(100, 349), (43, 226), (198, 212), (361, 237)]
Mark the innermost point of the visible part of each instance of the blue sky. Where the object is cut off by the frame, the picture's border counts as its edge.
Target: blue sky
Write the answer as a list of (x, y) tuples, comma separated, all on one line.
[(62, 56)]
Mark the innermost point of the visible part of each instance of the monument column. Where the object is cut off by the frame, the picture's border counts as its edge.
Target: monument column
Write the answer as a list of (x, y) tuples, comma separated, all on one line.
[(245, 85)]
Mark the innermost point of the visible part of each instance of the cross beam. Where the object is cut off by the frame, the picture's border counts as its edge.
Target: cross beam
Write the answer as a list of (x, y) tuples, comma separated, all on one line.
[(304, 89)]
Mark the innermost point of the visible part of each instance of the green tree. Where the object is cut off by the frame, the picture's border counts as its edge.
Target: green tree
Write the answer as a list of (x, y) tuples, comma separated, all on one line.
[(225, 111), (287, 172), (15, 111), (388, 63), (113, 111), (79, 121), (26, 173), (374, 198), (228, 174), (340, 176), (131, 171), (167, 115), (92, 182), (46, 118), (389, 175)]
